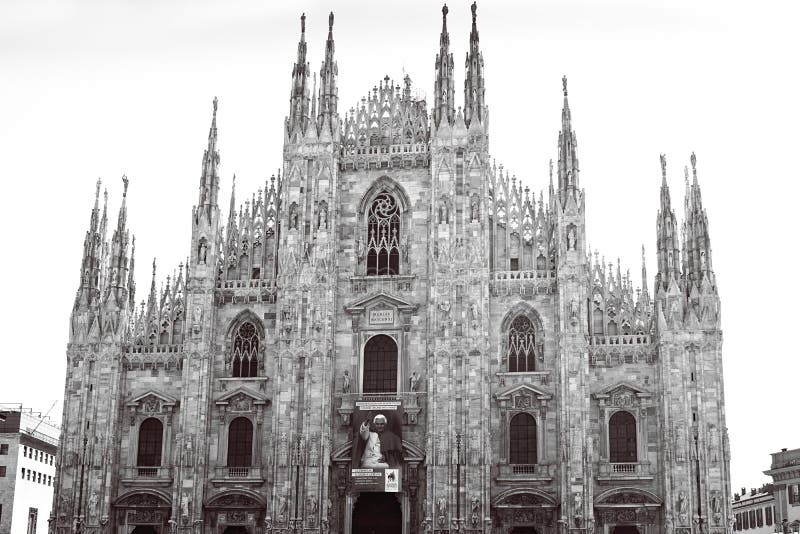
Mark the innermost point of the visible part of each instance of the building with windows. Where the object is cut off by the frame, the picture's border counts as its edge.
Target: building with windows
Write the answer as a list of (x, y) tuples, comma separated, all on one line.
[(774, 507), (28, 448), (391, 269)]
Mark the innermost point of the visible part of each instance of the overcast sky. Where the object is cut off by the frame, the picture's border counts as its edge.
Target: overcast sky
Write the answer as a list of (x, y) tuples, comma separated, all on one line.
[(98, 89)]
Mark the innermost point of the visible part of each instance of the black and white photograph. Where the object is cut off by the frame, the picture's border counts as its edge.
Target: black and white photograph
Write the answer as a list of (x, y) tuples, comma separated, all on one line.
[(530, 263)]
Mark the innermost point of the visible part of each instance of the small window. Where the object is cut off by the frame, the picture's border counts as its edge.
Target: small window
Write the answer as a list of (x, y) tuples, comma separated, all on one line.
[(25, 451), (514, 264), (2, 471), (33, 516), (240, 443), (38, 478), (3, 448), (49, 480), (522, 439), (622, 438), (151, 433)]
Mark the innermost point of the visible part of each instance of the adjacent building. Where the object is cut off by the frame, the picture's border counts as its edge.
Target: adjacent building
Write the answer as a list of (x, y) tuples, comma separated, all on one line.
[(392, 269), (28, 448)]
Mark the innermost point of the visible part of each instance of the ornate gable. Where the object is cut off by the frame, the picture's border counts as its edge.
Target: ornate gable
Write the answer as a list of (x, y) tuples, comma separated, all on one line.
[(381, 310), (241, 400), (521, 397), (622, 395), (152, 402)]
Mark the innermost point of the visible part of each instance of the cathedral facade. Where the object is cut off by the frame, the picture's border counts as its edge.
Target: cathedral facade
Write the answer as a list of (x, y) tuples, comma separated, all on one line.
[(394, 336)]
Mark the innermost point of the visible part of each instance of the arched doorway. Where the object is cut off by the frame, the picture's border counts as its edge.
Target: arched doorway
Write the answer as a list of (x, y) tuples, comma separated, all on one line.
[(145, 529), (523, 530), (625, 529), (377, 513), (236, 529)]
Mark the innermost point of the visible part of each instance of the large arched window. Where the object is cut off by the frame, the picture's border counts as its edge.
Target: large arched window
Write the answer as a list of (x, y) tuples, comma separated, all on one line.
[(245, 351), (622, 437), (383, 236), (521, 346), (522, 439), (151, 434), (240, 443), (380, 365)]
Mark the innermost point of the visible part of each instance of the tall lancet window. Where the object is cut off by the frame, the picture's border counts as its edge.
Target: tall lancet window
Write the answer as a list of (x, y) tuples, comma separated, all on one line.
[(521, 346), (383, 236), (245, 351)]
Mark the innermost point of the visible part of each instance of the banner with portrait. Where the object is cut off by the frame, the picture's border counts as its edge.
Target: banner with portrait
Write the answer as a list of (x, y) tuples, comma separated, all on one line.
[(377, 453)]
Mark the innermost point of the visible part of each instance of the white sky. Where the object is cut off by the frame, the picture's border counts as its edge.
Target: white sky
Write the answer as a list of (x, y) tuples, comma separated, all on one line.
[(98, 89)]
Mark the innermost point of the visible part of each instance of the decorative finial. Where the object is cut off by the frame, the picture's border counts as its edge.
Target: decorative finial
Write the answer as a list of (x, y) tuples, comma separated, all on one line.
[(474, 11), (694, 163), (444, 13), (97, 189), (663, 166), (125, 185), (215, 106), (303, 23), (330, 21), (564, 84), (154, 267), (686, 175)]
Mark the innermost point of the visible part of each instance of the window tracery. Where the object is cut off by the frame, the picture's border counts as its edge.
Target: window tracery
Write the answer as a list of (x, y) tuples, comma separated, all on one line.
[(521, 346), (383, 236), (246, 345)]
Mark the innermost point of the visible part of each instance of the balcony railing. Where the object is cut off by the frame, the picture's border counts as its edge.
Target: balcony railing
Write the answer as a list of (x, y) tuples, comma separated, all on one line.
[(625, 470), (145, 475), (524, 471), (251, 473), (148, 472)]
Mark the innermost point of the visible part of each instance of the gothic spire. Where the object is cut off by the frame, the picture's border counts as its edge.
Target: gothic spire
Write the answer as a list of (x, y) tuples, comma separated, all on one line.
[(444, 86), (697, 244), (474, 105), (645, 297), (299, 99), (328, 91), (666, 236), (89, 289), (209, 180), (118, 266), (568, 169)]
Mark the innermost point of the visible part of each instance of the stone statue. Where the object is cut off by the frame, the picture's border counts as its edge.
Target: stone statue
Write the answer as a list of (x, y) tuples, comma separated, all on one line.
[(572, 239), (414, 381), (441, 510), (346, 382), (476, 511), (93, 507)]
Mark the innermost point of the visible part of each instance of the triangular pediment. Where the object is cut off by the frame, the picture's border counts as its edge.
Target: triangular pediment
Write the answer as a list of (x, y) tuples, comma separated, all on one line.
[(622, 389), (379, 299), (241, 397), (152, 401), (523, 390)]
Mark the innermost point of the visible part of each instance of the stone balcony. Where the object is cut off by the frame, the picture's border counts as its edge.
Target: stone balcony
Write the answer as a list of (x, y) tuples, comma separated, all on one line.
[(237, 475), (624, 471), (147, 476), (525, 472), (410, 401)]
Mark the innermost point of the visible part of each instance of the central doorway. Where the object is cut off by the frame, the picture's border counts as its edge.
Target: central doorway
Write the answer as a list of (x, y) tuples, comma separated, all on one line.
[(236, 529), (377, 513), (626, 529), (523, 530)]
